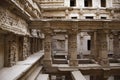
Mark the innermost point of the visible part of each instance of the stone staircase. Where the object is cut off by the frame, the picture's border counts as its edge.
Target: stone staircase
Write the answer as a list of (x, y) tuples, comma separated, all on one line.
[(35, 74), (38, 75)]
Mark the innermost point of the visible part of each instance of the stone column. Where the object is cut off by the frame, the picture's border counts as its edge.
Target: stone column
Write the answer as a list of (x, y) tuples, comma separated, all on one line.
[(20, 48), (116, 46), (11, 50), (93, 77), (72, 47), (103, 48), (32, 45), (48, 47), (36, 44), (25, 48)]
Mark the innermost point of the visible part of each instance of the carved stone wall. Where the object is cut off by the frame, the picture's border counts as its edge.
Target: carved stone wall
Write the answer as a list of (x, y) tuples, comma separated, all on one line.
[(12, 23)]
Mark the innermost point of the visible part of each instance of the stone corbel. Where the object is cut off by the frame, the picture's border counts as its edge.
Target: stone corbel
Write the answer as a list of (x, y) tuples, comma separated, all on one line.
[(47, 31), (116, 32), (112, 13), (105, 25), (66, 12), (97, 12), (81, 11), (72, 31), (90, 33)]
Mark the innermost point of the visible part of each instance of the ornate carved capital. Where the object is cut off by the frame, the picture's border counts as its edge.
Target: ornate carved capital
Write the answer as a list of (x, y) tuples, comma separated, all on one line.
[(66, 12), (103, 31), (115, 33), (47, 31), (91, 33), (72, 31), (105, 25)]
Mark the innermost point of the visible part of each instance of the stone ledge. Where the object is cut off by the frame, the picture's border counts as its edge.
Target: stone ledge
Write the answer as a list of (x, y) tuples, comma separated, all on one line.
[(15, 72)]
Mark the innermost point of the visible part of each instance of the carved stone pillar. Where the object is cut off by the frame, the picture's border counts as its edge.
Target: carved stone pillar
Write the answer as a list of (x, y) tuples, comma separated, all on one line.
[(32, 46), (25, 48), (116, 46), (72, 47), (93, 77), (20, 48), (11, 50), (103, 50), (36, 44), (48, 47)]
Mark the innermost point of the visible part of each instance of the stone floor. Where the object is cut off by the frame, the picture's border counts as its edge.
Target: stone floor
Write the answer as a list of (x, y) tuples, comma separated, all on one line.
[(13, 73)]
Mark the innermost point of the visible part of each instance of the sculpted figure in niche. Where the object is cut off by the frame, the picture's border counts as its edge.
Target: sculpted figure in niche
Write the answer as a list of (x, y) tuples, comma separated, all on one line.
[(25, 48), (13, 52)]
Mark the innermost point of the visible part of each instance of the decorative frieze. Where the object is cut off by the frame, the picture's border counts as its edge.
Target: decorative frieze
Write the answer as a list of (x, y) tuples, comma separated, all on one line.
[(12, 23)]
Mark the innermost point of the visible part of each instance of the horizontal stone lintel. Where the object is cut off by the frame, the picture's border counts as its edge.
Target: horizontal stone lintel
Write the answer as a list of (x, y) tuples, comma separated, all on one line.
[(74, 24)]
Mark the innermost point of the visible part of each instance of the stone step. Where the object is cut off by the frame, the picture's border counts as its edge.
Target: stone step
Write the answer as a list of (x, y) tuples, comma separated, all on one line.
[(43, 77), (35, 74), (77, 75)]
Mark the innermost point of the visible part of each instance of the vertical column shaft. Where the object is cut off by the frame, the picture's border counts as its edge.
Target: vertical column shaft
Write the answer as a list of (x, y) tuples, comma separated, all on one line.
[(72, 48), (93, 54), (116, 46), (103, 48), (48, 49)]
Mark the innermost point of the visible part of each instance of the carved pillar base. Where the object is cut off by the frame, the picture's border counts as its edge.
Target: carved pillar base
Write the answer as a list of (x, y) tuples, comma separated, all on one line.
[(68, 77), (47, 63), (73, 62), (104, 62)]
